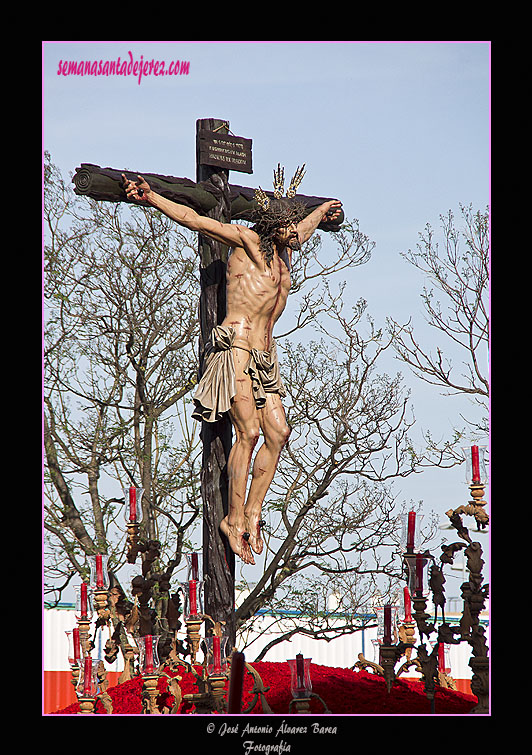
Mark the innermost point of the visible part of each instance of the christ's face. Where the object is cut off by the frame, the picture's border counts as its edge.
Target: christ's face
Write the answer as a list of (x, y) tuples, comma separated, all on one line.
[(287, 236)]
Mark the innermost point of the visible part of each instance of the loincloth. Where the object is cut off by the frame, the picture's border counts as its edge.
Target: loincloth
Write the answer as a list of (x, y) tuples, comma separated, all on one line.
[(217, 387)]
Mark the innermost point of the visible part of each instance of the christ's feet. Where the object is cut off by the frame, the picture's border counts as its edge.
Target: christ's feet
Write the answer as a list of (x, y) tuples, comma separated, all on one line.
[(239, 539), (254, 525)]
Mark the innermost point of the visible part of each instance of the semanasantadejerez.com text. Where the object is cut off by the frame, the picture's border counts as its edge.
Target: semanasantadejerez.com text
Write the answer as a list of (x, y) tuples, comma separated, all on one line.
[(128, 67)]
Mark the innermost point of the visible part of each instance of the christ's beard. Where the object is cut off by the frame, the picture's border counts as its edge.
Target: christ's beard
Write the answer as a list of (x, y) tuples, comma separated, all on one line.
[(294, 244)]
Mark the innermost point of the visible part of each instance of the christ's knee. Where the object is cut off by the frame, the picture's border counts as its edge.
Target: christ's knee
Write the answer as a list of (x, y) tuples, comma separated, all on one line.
[(241, 454), (284, 435), (249, 437), (278, 438)]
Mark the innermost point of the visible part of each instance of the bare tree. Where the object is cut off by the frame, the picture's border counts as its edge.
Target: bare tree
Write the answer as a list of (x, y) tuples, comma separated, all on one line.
[(120, 340), (458, 272)]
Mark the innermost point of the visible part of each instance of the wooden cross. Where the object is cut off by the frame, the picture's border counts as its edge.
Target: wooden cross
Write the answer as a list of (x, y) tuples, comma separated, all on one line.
[(213, 196)]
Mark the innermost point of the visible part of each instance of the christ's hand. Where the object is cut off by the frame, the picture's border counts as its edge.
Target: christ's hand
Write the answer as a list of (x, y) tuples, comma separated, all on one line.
[(137, 190), (332, 210)]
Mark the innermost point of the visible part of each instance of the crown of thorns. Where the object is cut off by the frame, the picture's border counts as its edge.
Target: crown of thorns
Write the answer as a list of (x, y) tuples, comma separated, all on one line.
[(278, 186)]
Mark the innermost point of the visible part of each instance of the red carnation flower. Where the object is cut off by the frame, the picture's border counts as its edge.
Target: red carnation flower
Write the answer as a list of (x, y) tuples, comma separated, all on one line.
[(343, 690)]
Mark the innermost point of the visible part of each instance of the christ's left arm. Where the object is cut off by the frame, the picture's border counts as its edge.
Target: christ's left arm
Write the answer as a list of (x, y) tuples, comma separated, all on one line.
[(330, 211)]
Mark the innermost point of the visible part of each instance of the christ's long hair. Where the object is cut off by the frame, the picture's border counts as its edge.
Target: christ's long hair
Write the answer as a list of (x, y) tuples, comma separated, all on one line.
[(281, 212)]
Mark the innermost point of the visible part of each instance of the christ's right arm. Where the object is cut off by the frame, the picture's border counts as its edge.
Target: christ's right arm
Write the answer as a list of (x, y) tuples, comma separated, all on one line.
[(227, 233)]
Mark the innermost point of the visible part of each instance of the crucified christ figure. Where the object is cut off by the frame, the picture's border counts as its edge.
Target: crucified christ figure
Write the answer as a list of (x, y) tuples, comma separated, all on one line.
[(241, 373)]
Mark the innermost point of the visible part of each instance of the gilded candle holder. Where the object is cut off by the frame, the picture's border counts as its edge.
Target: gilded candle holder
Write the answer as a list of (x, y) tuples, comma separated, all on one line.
[(129, 652), (202, 698), (75, 675), (193, 636), (87, 687), (132, 540), (420, 615), (210, 695), (480, 666), (407, 635), (101, 603), (86, 705), (132, 517), (193, 614), (302, 705), (217, 684), (388, 656), (150, 694), (84, 636), (478, 503)]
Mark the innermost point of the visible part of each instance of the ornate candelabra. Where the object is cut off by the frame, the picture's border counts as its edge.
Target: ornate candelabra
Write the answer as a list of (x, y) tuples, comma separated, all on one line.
[(211, 678), (394, 641), (396, 638), (418, 566), (476, 478), (474, 591), (88, 674), (425, 576), (474, 594)]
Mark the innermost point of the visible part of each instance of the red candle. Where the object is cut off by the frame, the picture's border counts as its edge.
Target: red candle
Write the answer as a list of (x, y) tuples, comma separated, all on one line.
[(411, 530), (77, 645), (475, 463), (300, 671), (195, 566), (408, 605), (387, 638), (217, 655), (419, 572), (83, 600), (99, 571), (441, 656), (192, 598), (236, 683), (148, 647), (87, 674), (132, 504)]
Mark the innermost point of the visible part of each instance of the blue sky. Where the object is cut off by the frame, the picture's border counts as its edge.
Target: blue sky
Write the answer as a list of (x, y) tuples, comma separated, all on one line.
[(398, 131)]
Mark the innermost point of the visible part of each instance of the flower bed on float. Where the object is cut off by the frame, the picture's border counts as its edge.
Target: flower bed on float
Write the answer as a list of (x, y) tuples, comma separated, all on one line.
[(343, 690)]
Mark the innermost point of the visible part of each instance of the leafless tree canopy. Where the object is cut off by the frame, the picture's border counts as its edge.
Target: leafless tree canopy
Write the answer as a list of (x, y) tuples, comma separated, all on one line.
[(456, 301), (120, 360)]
